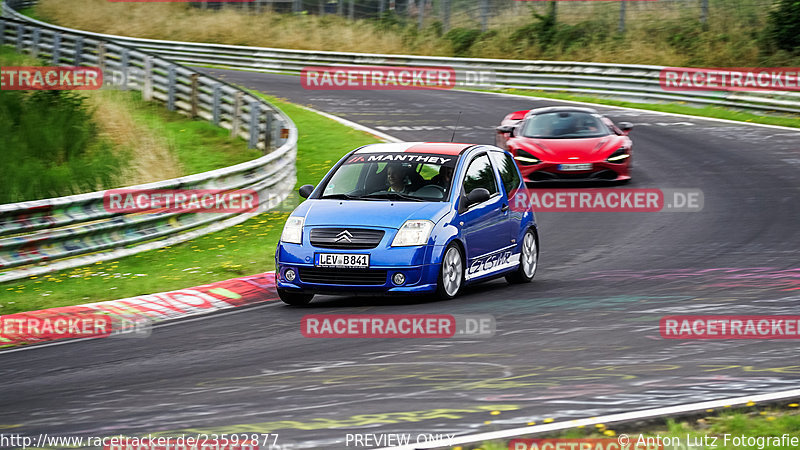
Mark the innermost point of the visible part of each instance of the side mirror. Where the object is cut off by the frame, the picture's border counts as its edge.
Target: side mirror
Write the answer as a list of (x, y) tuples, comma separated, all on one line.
[(626, 127), (506, 129), (306, 190), (477, 195)]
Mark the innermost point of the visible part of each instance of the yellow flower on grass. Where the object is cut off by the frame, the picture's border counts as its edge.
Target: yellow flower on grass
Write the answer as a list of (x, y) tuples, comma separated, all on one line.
[(548, 420), (750, 403), (609, 433), (793, 405)]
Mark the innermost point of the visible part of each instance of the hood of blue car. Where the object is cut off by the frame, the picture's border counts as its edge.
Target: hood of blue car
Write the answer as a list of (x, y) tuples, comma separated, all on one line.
[(388, 214)]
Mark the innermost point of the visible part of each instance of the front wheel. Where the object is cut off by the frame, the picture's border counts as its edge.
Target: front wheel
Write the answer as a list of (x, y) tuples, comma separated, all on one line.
[(528, 260), (294, 298), (451, 274)]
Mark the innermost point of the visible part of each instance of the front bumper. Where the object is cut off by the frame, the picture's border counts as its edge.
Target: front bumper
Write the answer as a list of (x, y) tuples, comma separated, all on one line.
[(600, 171), (417, 265)]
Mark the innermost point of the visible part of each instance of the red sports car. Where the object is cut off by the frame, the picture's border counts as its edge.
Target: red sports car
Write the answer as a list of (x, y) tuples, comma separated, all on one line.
[(565, 143)]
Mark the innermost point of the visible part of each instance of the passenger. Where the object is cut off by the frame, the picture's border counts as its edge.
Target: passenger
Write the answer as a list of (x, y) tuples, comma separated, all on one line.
[(396, 176), (444, 178)]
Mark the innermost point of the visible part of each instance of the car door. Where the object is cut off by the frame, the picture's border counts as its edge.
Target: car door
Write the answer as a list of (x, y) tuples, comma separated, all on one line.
[(510, 182), (485, 228)]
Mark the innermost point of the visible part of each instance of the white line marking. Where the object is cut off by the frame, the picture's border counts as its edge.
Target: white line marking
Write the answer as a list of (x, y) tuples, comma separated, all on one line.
[(713, 119), (621, 417), (165, 323), (353, 125)]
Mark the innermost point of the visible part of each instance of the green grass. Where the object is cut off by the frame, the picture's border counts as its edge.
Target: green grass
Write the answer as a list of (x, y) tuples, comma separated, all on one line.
[(52, 146), (30, 12), (752, 421), (676, 108), (245, 249), (54, 143), (198, 145)]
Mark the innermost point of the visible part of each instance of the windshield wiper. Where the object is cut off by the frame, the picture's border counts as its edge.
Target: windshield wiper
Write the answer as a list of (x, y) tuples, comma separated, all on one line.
[(344, 197), (339, 197), (393, 195)]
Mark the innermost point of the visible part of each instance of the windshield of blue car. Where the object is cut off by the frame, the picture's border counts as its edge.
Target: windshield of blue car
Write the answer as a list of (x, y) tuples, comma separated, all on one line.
[(565, 125), (392, 176)]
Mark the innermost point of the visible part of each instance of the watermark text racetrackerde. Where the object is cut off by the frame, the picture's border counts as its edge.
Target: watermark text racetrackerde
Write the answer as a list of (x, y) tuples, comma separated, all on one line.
[(603, 200), (45, 326), (397, 325), (126, 201), (393, 78), (50, 78), (577, 444), (730, 327), (730, 79)]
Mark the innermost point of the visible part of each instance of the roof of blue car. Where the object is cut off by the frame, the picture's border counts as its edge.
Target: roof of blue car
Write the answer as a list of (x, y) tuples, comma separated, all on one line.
[(442, 148)]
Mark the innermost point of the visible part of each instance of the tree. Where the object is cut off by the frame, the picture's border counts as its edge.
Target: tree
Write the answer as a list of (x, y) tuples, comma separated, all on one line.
[(784, 25)]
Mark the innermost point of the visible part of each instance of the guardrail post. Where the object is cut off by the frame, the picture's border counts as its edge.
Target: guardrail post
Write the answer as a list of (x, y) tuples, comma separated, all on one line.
[(2, 32), (20, 37), (125, 61), (36, 36), (445, 12), (268, 133), (101, 56), (195, 76), (255, 111), (78, 55), (56, 49), (484, 15), (216, 103), (237, 110), (147, 88), (171, 88)]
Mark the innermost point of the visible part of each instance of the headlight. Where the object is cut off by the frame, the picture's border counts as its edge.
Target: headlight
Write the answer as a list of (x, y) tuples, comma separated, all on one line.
[(619, 155), (526, 158), (413, 232), (293, 230)]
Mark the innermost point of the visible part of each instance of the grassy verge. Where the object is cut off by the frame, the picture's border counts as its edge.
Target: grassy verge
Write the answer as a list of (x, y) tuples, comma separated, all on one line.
[(735, 34), (245, 249), (676, 108), (52, 144), (199, 146), (60, 143), (695, 432)]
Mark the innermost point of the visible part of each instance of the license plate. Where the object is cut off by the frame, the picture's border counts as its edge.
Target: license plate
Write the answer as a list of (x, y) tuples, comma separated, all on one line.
[(343, 260), (573, 167)]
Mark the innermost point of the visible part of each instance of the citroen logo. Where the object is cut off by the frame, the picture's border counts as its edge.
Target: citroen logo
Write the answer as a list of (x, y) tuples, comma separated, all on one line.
[(344, 236)]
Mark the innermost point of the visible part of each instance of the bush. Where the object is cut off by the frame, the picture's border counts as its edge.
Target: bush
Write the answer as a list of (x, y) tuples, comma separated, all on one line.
[(462, 39), (51, 147), (784, 25)]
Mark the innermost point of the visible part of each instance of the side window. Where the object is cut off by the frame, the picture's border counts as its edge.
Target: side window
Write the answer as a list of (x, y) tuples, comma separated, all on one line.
[(480, 175), (508, 171)]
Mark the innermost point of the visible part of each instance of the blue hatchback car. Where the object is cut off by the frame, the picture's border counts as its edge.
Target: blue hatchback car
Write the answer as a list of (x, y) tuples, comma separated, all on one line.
[(408, 218)]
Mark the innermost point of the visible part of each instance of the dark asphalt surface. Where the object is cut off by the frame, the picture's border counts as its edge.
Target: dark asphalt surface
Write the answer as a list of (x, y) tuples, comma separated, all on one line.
[(581, 340)]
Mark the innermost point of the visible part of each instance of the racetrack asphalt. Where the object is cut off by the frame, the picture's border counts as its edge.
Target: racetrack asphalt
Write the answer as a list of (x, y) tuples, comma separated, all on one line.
[(581, 340)]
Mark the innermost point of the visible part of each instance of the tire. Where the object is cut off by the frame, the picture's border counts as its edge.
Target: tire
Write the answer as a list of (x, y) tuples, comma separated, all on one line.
[(451, 273), (528, 260), (294, 298)]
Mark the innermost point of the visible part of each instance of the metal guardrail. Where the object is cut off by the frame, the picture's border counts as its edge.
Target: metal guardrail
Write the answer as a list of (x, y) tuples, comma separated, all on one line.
[(52, 234), (33, 232), (633, 82)]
